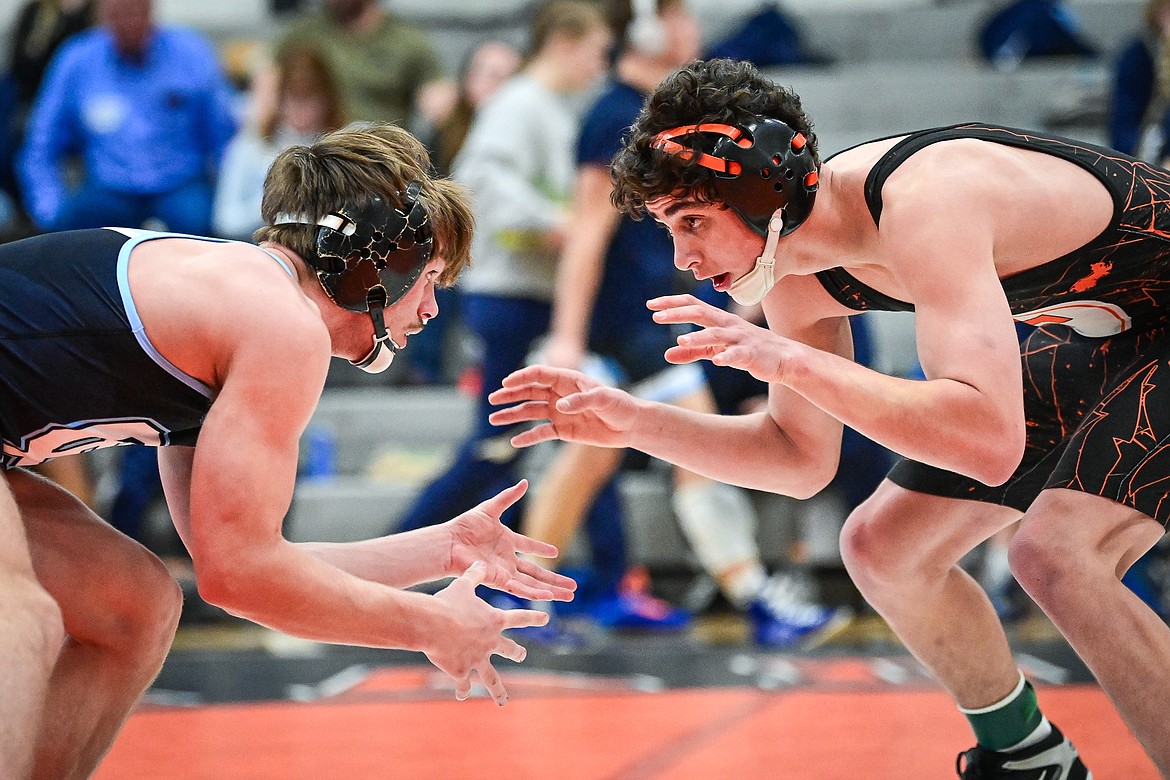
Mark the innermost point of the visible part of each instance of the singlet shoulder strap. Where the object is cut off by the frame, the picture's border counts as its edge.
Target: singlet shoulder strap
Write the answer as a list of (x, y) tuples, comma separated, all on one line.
[(898, 154), (838, 282)]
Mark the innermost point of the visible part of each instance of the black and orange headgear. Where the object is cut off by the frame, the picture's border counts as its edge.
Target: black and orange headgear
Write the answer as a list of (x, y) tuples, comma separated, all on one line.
[(759, 167)]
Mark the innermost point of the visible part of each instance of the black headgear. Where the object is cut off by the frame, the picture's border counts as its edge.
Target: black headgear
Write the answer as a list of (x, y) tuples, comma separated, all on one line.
[(368, 257), (375, 249), (760, 166)]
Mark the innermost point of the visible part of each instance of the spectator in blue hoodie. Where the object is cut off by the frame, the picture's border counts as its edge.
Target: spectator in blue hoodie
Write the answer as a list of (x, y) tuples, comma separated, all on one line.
[(144, 109)]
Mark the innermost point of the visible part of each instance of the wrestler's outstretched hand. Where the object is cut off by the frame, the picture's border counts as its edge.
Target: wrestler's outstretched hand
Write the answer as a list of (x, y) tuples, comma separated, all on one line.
[(571, 406), (470, 634), (725, 339), (478, 535)]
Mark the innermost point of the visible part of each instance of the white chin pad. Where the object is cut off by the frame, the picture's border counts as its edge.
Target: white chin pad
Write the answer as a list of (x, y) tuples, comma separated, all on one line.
[(379, 359)]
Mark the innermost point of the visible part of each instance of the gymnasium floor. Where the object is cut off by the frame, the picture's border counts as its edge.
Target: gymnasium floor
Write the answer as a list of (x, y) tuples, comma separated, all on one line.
[(236, 701)]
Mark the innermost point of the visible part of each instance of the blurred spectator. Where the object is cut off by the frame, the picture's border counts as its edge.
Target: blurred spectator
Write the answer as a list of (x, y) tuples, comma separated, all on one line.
[(484, 70), (1027, 29), (41, 27), (307, 104), (518, 163), (148, 112), (610, 267), (1141, 88), (382, 64), (486, 67)]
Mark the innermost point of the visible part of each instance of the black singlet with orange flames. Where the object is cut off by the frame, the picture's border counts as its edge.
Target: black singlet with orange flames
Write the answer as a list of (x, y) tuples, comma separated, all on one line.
[(1096, 367)]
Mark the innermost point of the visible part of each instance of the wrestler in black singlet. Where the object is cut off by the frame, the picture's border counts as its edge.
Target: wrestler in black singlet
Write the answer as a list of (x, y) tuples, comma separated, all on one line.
[(1097, 366), (77, 369)]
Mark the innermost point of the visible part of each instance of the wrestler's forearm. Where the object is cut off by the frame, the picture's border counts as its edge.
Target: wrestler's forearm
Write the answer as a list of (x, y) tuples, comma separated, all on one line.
[(287, 589), (399, 560), (942, 422), (747, 450)]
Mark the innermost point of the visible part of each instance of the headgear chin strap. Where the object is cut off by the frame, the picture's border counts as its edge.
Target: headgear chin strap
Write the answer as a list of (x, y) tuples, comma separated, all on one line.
[(381, 355), (750, 289), (764, 172), (368, 257)]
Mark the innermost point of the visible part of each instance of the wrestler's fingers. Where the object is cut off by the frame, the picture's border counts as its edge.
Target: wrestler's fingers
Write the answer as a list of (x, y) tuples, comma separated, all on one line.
[(462, 687), (559, 380), (546, 577), (524, 618), (511, 649), (524, 376), (535, 435), (709, 336), (703, 316), (525, 412), (493, 682), (532, 588), (529, 391), (670, 301), (681, 355), (529, 546), (497, 504), (735, 356), (597, 399)]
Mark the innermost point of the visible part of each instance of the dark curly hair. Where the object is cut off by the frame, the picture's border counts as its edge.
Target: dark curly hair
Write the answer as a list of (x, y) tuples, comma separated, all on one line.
[(721, 90)]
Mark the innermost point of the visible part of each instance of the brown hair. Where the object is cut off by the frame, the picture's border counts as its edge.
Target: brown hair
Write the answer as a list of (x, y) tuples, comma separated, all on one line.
[(572, 18), (347, 167), (452, 131), (718, 91), (302, 69)]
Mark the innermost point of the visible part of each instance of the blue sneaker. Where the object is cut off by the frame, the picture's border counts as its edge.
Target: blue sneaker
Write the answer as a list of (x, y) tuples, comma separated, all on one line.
[(783, 617), (635, 608), (640, 612)]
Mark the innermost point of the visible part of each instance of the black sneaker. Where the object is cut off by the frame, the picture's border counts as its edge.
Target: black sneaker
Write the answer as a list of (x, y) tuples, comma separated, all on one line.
[(1053, 758)]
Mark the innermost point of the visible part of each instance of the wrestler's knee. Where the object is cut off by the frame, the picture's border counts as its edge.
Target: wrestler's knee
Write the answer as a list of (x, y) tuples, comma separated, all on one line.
[(143, 605), (871, 550), (1042, 560), (157, 612)]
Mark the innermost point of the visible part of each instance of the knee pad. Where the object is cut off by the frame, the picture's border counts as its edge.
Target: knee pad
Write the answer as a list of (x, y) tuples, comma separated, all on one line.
[(719, 522)]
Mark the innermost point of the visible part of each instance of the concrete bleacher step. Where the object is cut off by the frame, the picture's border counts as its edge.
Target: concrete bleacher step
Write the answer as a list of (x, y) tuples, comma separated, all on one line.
[(853, 103), (346, 508), (933, 31), (366, 422)]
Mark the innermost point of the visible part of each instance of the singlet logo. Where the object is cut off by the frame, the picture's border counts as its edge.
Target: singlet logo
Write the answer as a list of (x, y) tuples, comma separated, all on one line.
[(1095, 319), (57, 440)]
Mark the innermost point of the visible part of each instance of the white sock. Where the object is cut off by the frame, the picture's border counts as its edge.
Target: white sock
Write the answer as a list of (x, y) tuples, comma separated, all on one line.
[(1042, 731), (744, 584)]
